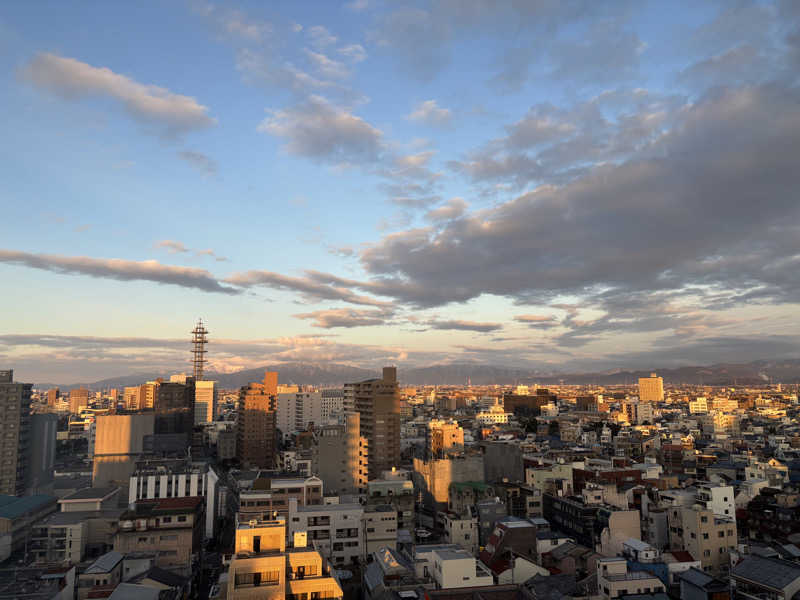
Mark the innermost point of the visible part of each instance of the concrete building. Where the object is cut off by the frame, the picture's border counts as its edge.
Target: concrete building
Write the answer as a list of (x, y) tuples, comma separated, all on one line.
[(171, 528), (78, 400), (495, 415), (270, 496), (255, 442), (462, 531), (341, 456), (444, 436), (15, 404), (43, 433), (296, 411), (399, 493), (264, 568), (158, 479), (335, 530), (378, 403), (615, 580), (651, 389), (708, 538), (205, 402), (457, 568), (16, 518), (759, 577), (433, 477), (119, 441), (380, 527), (105, 571), (52, 397)]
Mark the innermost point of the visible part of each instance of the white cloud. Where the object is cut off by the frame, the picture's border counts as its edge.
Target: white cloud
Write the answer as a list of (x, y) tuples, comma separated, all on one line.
[(328, 67), (354, 52)]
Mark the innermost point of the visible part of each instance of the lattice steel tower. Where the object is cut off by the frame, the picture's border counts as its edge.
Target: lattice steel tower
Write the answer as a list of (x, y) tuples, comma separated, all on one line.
[(199, 341)]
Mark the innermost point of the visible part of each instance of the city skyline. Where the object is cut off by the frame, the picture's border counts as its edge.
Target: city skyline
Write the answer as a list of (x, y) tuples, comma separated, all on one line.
[(567, 186)]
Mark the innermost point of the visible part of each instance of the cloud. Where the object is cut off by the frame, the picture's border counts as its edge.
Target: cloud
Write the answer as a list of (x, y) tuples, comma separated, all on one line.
[(353, 52), (537, 321), (357, 5), (454, 208), (119, 269), (313, 288), (320, 37), (709, 202), (319, 130), (345, 317), (328, 67), (429, 113), (172, 246), (199, 161), (172, 114), (458, 325), (742, 64)]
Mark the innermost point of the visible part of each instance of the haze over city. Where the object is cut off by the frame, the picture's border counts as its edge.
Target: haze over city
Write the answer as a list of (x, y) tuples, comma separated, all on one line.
[(562, 186)]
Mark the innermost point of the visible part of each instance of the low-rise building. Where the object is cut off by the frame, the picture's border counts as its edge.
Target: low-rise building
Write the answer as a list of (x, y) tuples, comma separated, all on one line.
[(335, 530), (380, 527), (615, 580), (461, 531)]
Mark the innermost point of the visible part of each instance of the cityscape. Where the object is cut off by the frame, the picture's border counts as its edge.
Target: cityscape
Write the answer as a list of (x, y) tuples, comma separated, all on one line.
[(400, 300)]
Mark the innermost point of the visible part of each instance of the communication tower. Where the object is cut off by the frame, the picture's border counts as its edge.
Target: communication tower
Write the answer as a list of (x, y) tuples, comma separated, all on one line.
[(199, 341)]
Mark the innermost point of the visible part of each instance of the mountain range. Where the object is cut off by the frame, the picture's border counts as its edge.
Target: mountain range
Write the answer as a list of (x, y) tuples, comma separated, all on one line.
[(760, 371)]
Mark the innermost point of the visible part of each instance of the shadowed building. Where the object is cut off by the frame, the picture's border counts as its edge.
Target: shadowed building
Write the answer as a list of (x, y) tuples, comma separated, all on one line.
[(15, 403), (378, 403), (255, 443)]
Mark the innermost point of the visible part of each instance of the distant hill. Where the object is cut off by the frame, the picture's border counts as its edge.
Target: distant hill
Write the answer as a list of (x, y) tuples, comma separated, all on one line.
[(760, 371)]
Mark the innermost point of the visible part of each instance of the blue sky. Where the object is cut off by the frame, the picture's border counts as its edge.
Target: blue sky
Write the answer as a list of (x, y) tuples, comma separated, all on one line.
[(558, 185)]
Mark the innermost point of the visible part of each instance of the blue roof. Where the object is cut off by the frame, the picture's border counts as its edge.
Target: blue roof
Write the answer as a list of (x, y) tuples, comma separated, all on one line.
[(12, 507)]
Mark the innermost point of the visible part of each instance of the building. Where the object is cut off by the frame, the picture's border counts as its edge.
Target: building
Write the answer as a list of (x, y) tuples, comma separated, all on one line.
[(255, 442), (378, 403), (15, 403), (433, 478), (615, 580), (105, 571), (40, 472), (297, 411), (205, 401), (527, 405), (78, 400), (52, 397), (760, 577), (264, 568), (707, 537), (399, 493), (341, 456), (444, 436), (699, 585), (380, 527), (456, 568), (177, 479), (336, 530), (174, 415), (119, 441), (271, 496), (462, 531), (495, 415), (170, 528), (651, 389), (16, 518)]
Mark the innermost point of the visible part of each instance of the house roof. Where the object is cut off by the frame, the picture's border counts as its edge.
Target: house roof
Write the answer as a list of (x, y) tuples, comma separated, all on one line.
[(772, 573), (105, 563), (91, 494), (12, 507)]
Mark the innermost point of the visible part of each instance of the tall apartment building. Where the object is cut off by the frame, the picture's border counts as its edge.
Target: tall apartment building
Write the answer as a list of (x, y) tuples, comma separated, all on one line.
[(378, 403), (651, 389), (78, 400), (205, 401), (341, 456), (255, 443), (332, 403), (297, 410), (15, 407), (264, 568), (52, 397), (119, 441)]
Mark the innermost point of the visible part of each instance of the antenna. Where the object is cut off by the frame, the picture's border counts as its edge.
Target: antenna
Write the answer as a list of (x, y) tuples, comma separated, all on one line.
[(199, 341)]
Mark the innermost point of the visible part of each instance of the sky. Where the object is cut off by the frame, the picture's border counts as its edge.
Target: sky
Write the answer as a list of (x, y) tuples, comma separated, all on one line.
[(556, 185)]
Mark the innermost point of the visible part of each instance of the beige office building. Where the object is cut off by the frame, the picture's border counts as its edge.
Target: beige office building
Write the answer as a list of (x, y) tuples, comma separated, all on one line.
[(205, 401), (651, 389)]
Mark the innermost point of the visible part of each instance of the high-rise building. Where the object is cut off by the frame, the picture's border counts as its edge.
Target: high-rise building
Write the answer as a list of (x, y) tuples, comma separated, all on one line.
[(52, 397), (131, 397), (651, 389), (205, 401), (378, 403), (15, 404), (255, 443), (78, 400), (341, 456), (444, 436), (42, 454)]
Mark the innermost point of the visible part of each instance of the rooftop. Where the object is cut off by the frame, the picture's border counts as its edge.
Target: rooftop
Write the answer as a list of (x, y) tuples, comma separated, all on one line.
[(12, 507), (772, 573), (105, 564), (91, 494)]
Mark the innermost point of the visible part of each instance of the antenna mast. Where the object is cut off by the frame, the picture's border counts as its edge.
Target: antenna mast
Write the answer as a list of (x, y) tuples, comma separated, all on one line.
[(199, 341)]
